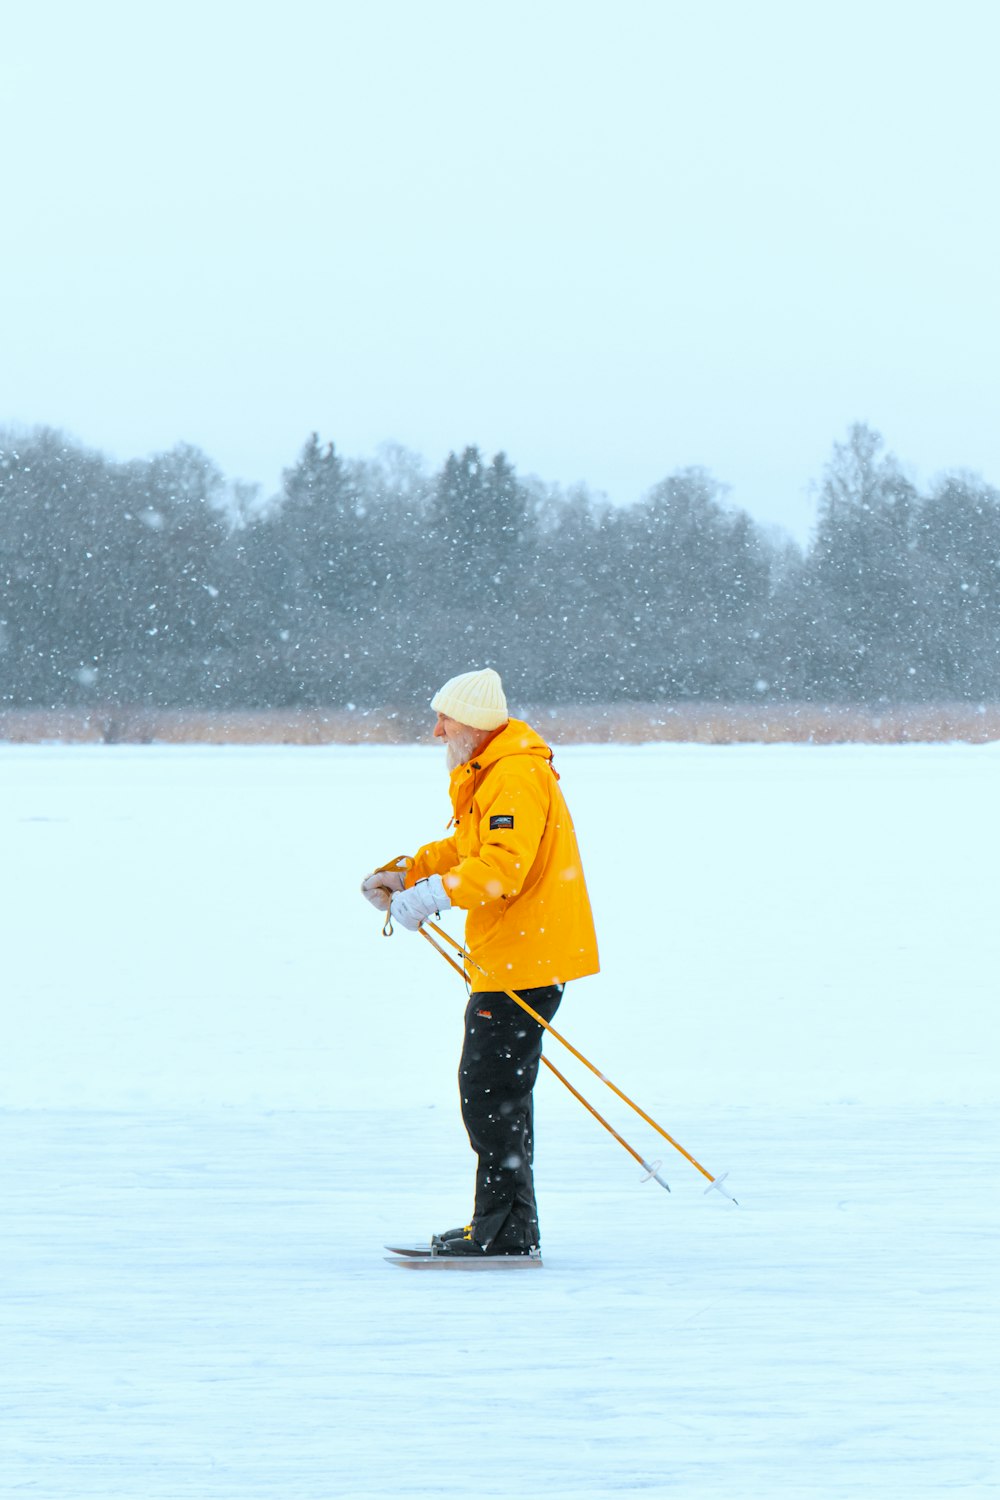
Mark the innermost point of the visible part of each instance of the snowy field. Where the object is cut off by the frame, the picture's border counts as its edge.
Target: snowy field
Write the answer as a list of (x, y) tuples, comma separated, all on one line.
[(223, 1091)]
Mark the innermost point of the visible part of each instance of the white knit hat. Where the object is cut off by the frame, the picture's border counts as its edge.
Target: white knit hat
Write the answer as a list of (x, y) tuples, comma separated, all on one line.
[(474, 698)]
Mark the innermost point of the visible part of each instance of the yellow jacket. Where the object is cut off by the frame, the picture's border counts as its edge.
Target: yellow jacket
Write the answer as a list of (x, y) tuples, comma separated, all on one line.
[(513, 864)]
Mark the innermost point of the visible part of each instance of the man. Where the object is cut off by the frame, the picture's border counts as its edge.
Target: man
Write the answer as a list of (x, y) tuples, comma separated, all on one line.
[(512, 863)]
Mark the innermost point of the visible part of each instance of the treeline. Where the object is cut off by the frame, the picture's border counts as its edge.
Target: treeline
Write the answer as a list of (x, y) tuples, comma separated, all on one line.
[(365, 581)]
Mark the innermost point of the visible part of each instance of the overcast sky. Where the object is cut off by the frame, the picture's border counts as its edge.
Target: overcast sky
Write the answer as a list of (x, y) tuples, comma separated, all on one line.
[(611, 237)]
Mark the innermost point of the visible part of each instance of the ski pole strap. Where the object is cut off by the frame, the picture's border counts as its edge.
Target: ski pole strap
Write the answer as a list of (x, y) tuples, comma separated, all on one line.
[(401, 863)]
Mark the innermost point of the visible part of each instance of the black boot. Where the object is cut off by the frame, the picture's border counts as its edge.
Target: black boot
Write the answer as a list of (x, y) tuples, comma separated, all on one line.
[(463, 1242), (450, 1234)]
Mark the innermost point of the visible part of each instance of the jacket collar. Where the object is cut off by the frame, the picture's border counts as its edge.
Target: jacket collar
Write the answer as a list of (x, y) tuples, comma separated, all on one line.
[(512, 738)]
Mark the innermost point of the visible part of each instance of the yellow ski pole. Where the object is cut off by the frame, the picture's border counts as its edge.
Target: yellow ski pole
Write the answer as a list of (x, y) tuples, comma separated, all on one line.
[(713, 1182), (652, 1169)]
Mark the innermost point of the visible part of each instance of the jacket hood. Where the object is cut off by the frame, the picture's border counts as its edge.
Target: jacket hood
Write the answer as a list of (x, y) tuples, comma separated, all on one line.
[(515, 738)]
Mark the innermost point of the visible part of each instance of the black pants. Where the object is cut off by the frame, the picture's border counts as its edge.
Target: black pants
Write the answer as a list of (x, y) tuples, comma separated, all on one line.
[(500, 1058)]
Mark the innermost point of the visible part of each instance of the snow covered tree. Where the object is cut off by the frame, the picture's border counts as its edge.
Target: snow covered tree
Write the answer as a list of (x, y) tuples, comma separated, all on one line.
[(697, 579), (480, 529), (861, 591), (958, 547)]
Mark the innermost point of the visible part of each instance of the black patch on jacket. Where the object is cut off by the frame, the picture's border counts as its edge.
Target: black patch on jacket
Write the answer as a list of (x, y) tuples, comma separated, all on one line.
[(502, 820)]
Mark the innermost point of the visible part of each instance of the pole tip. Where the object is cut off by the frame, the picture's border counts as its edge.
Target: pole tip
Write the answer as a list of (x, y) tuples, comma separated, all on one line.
[(716, 1183)]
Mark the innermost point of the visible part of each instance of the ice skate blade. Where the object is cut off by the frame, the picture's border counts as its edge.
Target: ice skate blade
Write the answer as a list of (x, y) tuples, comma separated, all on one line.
[(466, 1262)]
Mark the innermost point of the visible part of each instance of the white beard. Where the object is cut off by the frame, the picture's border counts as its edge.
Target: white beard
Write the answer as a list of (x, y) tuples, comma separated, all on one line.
[(460, 748)]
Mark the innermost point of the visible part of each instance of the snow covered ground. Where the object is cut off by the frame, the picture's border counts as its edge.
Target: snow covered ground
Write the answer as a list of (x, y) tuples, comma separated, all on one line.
[(223, 1090)]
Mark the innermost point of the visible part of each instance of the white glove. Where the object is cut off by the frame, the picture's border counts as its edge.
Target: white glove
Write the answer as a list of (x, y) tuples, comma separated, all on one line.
[(379, 887), (421, 901)]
